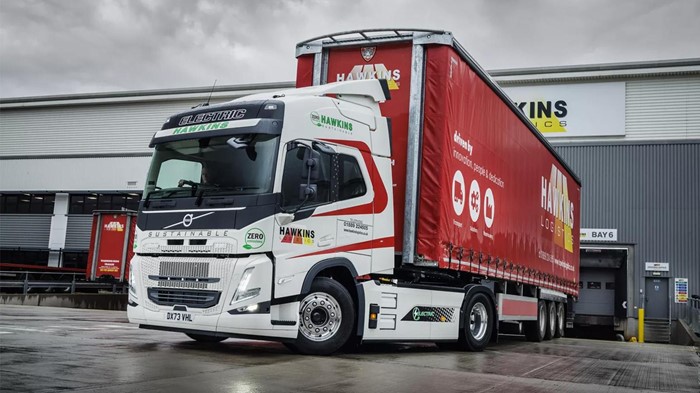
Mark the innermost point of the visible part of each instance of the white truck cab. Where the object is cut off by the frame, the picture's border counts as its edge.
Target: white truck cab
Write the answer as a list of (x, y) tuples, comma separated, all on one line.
[(263, 208)]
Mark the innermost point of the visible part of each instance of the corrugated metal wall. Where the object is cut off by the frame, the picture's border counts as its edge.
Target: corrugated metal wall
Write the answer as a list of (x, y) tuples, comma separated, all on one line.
[(74, 174), (662, 108), (25, 230), (84, 129), (32, 231), (651, 194), (78, 232)]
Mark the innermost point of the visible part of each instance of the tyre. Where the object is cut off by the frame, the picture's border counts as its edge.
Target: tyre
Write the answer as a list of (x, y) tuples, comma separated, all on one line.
[(536, 330), (479, 322), (204, 338), (326, 318), (561, 319), (291, 347), (551, 320), (449, 346)]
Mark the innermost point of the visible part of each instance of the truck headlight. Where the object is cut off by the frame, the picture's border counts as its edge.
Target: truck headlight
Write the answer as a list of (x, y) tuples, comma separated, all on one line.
[(242, 292), (132, 281)]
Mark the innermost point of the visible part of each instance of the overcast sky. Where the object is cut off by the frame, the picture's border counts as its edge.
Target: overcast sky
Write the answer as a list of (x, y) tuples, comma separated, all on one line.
[(80, 46)]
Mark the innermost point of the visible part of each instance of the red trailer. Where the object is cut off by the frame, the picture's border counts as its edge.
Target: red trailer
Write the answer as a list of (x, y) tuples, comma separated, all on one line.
[(111, 245), (478, 192), (484, 191)]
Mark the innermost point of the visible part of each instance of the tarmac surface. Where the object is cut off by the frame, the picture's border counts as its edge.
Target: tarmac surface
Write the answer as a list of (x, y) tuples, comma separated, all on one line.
[(45, 349)]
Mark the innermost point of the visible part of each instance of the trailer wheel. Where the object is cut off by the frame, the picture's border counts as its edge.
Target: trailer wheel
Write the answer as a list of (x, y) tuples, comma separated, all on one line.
[(479, 322), (536, 330), (551, 320), (205, 338), (326, 318), (561, 316)]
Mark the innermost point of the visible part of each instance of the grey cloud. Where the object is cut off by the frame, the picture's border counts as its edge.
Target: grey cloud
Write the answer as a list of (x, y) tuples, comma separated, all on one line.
[(62, 47)]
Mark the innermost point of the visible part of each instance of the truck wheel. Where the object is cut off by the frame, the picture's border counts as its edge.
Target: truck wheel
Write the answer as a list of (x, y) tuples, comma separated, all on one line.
[(551, 320), (291, 347), (479, 322), (536, 330), (326, 318), (204, 338), (561, 317)]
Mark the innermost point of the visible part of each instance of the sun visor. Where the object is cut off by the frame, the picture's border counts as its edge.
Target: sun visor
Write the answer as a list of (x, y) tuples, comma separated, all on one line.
[(262, 117)]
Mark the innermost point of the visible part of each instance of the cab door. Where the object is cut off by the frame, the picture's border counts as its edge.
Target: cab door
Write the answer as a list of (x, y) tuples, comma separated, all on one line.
[(322, 199)]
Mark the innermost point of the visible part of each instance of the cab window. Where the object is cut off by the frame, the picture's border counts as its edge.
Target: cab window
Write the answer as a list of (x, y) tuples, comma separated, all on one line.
[(294, 179), (338, 178), (350, 181)]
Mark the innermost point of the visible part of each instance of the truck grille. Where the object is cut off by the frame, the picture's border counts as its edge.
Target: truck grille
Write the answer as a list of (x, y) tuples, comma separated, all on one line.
[(184, 269), (194, 299), (186, 274), (191, 275)]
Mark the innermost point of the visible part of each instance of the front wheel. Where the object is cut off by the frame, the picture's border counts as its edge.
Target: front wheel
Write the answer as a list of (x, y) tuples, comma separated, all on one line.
[(479, 322), (326, 318)]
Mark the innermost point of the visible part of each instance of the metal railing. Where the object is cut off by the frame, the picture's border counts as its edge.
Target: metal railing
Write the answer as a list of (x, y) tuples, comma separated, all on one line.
[(692, 314), (31, 282), (62, 257)]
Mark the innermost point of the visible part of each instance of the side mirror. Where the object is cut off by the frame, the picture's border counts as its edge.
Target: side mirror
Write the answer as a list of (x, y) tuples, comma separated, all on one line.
[(310, 169)]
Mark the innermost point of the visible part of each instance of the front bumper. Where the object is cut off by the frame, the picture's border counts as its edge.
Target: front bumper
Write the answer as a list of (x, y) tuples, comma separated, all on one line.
[(197, 294)]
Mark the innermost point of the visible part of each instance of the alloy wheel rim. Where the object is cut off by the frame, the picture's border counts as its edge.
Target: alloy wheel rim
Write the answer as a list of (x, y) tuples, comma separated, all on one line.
[(320, 316), (478, 321)]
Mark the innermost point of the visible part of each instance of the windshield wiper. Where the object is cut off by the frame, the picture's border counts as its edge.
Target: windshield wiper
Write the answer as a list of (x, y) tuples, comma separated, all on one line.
[(193, 185), (200, 195)]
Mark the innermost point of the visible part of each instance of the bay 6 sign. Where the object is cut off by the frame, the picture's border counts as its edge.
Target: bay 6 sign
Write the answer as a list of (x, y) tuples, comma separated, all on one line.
[(573, 110)]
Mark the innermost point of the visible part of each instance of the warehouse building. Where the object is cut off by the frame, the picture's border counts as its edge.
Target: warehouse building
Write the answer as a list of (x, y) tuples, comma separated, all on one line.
[(630, 131)]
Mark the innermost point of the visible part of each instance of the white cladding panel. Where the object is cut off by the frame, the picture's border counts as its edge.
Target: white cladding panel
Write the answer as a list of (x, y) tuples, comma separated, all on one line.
[(665, 108), (74, 174), (84, 129), (656, 108)]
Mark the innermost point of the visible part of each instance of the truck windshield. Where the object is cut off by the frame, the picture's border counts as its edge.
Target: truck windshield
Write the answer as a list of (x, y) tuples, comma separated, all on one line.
[(226, 165)]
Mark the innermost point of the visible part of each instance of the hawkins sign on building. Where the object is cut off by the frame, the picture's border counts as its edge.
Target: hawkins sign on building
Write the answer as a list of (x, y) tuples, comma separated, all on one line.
[(574, 110)]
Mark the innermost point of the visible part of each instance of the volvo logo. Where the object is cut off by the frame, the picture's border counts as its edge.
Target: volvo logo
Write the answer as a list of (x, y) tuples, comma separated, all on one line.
[(187, 220)]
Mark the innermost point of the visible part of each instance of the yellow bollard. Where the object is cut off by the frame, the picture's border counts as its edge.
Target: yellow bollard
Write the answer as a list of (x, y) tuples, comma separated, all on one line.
[(640, 326)]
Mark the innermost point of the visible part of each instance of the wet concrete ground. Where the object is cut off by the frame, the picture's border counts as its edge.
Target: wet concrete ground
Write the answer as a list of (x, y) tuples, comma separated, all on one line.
[(45, 349)]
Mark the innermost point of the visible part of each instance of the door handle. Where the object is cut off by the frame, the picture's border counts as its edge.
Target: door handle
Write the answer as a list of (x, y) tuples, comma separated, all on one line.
[(325, 241)]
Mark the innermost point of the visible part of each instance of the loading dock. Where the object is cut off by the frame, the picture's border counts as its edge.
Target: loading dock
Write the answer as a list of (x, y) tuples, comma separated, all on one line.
[(606, 286)]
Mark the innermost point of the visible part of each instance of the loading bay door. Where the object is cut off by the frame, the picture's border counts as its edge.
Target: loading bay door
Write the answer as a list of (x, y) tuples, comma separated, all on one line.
[(603, 287), (597, 292)]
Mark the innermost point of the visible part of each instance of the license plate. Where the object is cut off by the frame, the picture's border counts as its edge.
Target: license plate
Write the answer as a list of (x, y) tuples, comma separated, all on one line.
[(179, 316)]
